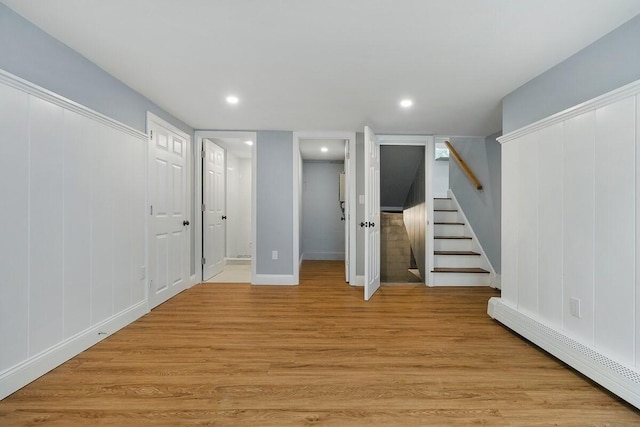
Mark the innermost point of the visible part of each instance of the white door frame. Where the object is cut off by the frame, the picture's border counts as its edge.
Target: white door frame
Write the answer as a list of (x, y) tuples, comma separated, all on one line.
[(199, 136), (188, 208), (351, 197), (426, 141)]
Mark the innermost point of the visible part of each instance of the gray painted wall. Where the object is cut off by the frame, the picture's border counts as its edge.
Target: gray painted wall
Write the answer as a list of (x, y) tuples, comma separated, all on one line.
[(482, 208), (30, 53), (608, 63), (398, 166), (322, 228), (274, 202)]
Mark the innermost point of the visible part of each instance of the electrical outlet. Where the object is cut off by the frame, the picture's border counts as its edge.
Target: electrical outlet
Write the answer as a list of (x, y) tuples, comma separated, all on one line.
[(361, 199), (574, 307), (274, 254)]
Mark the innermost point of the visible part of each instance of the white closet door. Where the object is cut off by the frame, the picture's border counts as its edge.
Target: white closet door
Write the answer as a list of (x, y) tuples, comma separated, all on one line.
[(168, 249)]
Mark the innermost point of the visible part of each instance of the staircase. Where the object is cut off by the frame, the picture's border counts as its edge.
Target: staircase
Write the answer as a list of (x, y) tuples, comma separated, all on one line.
[(457, 257)]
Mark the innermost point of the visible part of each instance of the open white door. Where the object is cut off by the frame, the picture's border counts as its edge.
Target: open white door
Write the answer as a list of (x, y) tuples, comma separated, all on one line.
[(169, 224), (213, 187), (371, 222)]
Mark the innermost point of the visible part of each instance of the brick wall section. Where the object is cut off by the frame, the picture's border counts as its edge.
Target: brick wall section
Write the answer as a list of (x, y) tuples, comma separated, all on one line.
[(395, 249)]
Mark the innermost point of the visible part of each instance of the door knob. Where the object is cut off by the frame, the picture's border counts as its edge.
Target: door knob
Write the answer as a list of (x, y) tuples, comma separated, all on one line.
[(224, 217), (185, 222), (372, 224), (364, 224)]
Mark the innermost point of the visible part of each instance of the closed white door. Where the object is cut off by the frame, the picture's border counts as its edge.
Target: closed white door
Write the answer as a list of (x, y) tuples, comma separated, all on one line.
[(214, 216), (169, 224), (371, 223)]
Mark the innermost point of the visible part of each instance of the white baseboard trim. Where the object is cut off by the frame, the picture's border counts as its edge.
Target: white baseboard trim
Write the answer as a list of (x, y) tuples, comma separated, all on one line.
[(34, 367), (496, 280), (358, 282), (619, 378), (193, 280), (275, 279), (324, 256)]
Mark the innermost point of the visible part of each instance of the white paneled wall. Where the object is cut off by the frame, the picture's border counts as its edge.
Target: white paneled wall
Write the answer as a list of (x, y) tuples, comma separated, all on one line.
[(72, 184), (570, 237)]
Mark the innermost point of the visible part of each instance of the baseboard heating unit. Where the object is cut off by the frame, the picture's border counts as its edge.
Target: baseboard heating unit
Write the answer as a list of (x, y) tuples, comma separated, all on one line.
[(621, 380)]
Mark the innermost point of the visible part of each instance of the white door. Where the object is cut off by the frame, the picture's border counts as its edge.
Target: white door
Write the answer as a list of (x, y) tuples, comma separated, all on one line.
[(346, 211), (371, 222), (213, 187), (169, 224)]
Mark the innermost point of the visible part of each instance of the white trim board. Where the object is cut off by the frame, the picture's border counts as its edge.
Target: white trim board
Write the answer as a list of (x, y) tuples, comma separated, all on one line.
[(622, 380), (34, 367), (608, 98), (44, 94)]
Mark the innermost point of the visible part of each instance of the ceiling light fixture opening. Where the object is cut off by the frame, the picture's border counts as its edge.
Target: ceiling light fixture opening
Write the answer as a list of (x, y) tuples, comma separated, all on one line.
[(249, 142), (406, 103), (232, 99), (324, 149)]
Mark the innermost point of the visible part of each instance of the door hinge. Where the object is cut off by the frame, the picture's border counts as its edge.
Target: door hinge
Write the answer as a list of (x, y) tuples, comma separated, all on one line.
[(151, 134), (203, 154), (151, 210), (203, 207), (204, 261)]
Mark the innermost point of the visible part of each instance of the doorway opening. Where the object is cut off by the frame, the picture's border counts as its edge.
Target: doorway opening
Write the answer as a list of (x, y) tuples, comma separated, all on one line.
[(402, 214), (226, 195), (325, 188)]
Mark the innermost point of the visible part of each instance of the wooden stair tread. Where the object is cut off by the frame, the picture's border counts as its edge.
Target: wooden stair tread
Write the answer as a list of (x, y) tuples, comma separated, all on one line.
[(453, 237), (455, 253), (448, 223), (458, 270)]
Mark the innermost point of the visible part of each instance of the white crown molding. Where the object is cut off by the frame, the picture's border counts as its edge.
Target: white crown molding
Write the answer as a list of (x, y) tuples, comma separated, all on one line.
[(593, 104), (44, 94)]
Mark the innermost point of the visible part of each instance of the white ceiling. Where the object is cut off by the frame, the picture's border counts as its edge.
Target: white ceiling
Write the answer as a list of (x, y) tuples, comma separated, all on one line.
[(329, 64), (235, 146), (311, 149)]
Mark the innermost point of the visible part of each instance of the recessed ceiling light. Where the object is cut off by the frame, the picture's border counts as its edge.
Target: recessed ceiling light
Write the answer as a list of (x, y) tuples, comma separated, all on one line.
[(324, 149), (406, 103), (249, 142), (232, 99)]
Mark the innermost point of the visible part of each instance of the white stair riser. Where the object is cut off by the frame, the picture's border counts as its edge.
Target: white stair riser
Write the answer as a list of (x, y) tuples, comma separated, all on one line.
[(448, 230), (461, 279), (443, 204), (458, 261), (452, 244), (445, 217)]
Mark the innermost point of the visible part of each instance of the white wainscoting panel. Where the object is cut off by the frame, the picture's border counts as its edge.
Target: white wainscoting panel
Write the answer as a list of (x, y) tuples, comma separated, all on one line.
[(72, 257), (14, 243), (571, 238), (615, 192), (510, 222), (578, 207), (637, 249), (77, 224), (550, 216), (528, 228), (46, 210)]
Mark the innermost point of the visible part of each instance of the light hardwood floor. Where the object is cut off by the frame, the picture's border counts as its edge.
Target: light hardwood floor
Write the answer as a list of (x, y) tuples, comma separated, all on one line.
[(316, 354)]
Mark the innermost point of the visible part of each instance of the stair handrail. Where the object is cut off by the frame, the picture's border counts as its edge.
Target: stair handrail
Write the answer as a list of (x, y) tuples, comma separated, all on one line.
[(464, 166)]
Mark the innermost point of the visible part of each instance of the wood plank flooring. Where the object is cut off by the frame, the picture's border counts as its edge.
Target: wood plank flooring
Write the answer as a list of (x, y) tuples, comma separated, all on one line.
[(316, 354)]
